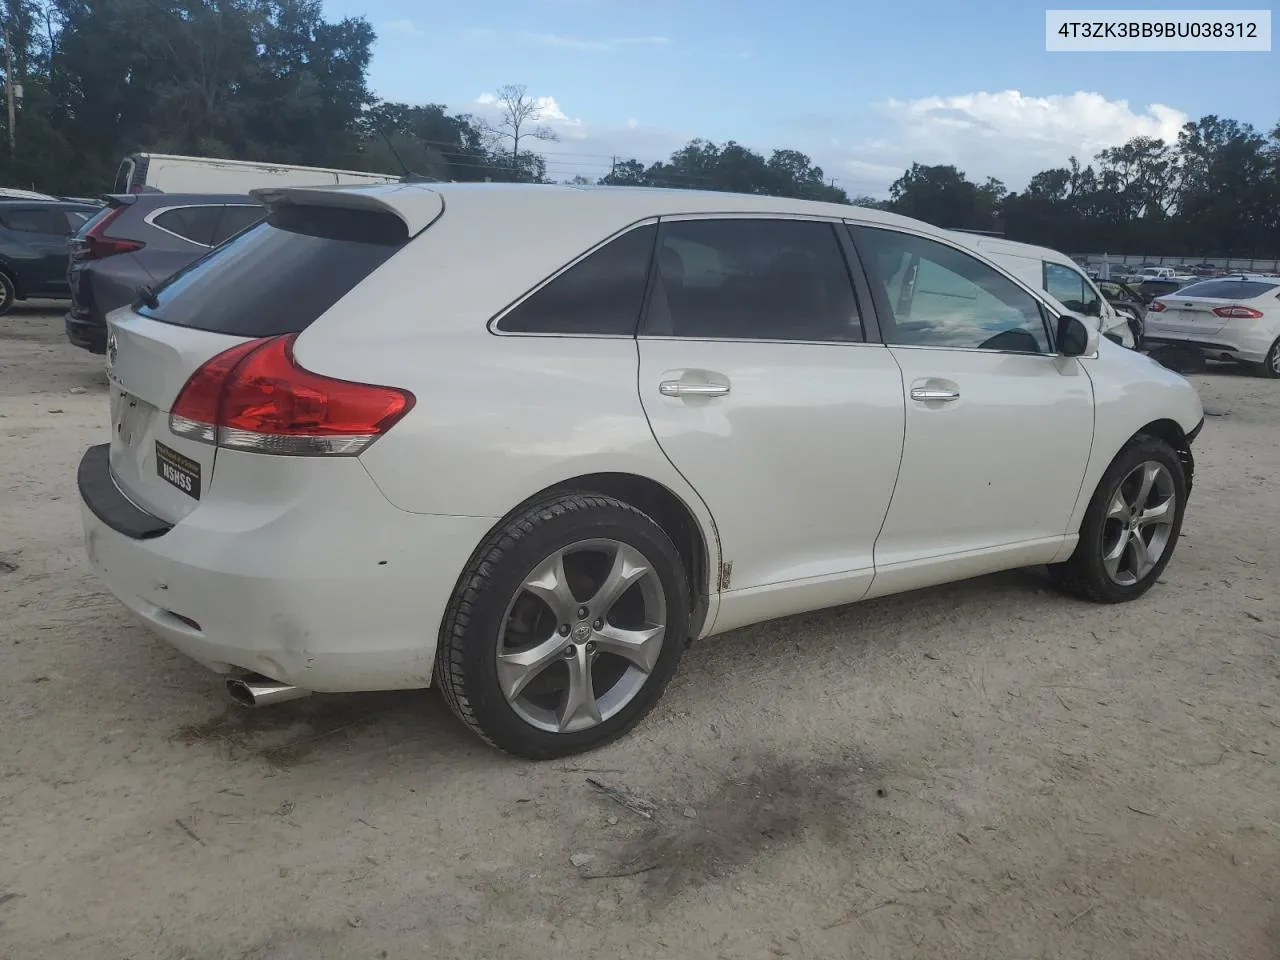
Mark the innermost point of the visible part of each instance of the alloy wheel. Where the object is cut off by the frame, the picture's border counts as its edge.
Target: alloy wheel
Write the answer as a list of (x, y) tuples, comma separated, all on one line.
[(581, 636), (1138, 523)]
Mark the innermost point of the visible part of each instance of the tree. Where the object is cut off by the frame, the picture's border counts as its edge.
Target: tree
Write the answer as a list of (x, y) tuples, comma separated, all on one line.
[(703, 165), (519, 119), (626, 173), (940, 195)]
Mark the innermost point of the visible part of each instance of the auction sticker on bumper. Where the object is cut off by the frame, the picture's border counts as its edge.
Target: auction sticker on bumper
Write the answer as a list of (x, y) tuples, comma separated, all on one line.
[(182, 472)]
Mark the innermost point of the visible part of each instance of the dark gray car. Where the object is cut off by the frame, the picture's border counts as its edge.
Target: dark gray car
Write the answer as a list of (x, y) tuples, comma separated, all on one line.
[(138, 240)]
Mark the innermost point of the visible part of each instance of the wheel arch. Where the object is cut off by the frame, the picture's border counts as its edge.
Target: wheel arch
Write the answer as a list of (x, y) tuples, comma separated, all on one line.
[(1172, 433), (698, 548), (14, 278)]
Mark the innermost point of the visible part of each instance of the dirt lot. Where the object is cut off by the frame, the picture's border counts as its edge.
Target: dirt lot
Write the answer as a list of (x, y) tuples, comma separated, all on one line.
[(984, 770)]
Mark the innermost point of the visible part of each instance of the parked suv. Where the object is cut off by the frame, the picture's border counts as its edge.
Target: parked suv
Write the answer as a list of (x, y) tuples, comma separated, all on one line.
[(137, 241), (33, 247), (523, 442)]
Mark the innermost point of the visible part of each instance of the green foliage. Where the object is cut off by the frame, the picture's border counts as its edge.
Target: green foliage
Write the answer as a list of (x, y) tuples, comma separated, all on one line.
[(702, 165)]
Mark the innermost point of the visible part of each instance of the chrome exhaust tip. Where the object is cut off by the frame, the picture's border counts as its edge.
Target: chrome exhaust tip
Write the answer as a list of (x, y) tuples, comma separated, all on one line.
[(255, 690)]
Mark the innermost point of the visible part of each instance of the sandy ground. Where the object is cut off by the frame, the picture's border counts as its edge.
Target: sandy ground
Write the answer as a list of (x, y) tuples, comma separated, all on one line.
[(984, 770)]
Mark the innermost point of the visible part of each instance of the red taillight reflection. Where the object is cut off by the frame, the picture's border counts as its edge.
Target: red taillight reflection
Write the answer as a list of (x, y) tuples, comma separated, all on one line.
[(1156, 307), (255, 397)]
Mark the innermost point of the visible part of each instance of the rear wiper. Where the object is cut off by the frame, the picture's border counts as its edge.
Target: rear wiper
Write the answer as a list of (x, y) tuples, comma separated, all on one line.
[(147, 296)]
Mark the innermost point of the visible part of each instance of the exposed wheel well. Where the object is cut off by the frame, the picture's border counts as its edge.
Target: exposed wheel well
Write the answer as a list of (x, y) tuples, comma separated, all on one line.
[(1172, 434), (670, 513)]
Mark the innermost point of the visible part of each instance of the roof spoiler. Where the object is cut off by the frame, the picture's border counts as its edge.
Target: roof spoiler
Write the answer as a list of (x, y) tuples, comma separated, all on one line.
[(415, 207)]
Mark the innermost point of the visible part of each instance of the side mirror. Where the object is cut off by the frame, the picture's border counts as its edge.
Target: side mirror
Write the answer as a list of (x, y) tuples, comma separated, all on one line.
[(1076, 337)]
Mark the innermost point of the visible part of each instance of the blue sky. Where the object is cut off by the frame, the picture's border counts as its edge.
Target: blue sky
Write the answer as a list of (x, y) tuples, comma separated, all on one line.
[(863, 88)]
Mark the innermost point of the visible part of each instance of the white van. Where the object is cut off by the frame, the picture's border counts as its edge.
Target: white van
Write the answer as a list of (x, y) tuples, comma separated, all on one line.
[(1059, 276), (172, 174)]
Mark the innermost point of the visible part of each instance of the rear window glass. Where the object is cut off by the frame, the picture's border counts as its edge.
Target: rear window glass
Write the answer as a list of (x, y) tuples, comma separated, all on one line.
[(95, 219), (1229, 289), (195, 223), (281, 275)]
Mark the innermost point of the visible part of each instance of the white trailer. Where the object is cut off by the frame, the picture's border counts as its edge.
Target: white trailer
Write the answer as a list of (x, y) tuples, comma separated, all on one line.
[(166, 173)]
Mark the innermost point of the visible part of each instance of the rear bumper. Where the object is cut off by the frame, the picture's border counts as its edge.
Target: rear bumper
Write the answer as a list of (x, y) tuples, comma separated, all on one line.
[(86, 332), (1252, 349), (332, 593)]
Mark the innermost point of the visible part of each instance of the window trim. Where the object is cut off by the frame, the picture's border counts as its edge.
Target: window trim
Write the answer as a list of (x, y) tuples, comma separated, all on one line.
[(150, 220), (853, 270), (1048, 312), (497, 318)]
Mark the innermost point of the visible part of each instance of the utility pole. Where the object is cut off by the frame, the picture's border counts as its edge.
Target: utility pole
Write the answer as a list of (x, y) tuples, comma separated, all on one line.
[(9, 91)]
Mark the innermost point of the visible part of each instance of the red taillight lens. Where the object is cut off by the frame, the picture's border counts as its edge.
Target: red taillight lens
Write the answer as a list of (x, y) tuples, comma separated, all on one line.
[(96, 248), (255, 397), (195, 412), (94, 245), (1237, 313), (1155, 307)]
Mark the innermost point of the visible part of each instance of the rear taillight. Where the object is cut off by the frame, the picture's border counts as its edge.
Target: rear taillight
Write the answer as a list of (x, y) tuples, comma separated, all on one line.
[(1155, 307), (93, 245), (255, 397), (1237, 313)]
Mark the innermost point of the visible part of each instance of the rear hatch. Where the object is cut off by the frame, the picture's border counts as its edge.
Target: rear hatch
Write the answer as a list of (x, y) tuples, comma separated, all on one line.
[(275, 279), (91, 243), (1190, 311)]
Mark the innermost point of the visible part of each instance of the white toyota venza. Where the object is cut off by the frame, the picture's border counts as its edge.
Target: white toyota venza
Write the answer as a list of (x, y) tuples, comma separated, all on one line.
[(526, 442)]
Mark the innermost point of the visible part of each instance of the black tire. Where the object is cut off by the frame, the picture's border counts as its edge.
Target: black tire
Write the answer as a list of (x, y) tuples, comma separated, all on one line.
[(1084, 573), (8, 293), (466, 666), (1270, 367)]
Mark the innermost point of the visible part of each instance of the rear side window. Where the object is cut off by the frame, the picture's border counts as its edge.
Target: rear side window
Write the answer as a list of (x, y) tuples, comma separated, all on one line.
[(600, 295), (747, 279), (197, 223), (281, 275), (49, 222), (75, 219), (236, 217), (1229, 289)]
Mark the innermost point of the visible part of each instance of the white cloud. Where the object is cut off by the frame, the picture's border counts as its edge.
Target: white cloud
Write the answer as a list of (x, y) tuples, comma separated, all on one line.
[(586, 148), (1007, 134), (595, 45), (1004, 134), (405, 28)]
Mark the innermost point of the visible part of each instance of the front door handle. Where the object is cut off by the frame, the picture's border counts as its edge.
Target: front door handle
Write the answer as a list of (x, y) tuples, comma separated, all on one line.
[(679, 388), (934, 393)]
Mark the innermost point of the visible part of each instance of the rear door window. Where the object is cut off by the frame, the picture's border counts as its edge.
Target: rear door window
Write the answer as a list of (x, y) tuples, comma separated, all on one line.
[(50, 222), (281, 275), (749, 279), (236, 217), (600, 295), (195, 223)]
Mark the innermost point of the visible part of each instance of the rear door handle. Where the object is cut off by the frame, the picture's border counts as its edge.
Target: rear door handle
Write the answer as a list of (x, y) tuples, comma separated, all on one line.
[(679, 388), (934, 393)]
